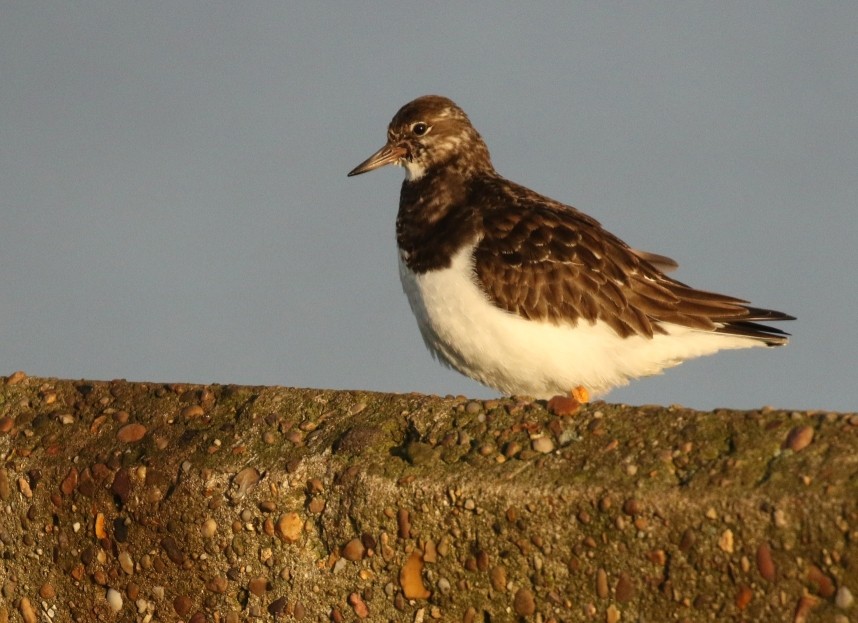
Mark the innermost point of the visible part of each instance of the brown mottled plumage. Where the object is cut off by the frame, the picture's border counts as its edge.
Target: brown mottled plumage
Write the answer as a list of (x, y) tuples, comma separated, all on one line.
[(537, 259)]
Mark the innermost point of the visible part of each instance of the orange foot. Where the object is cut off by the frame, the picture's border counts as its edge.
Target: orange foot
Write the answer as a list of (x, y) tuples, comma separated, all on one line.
[(569, 405)]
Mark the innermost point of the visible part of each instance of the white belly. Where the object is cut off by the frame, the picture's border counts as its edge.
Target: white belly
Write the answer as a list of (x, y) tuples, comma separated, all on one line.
[(517, 356)]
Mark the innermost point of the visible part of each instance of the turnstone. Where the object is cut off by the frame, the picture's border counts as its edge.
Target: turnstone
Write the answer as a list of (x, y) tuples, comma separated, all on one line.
[(528, 295)]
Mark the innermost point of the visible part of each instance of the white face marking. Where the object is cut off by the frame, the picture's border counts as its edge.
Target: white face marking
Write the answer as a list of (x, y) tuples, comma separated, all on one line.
[(413, 171)]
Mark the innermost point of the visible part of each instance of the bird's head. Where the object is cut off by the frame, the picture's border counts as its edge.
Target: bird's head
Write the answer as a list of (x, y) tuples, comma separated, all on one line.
[(428, 132)]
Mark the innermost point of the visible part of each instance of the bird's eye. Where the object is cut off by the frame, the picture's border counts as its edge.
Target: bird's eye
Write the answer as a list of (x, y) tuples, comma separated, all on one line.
[(419, 128)]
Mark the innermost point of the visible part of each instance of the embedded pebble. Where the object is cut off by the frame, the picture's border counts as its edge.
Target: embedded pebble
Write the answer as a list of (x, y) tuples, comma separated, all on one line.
[(411, 577), (182, 605), (353, 550), (209, 528), (15, 378), (245, 480), (430, 552), (498, 578), (358, 605), (473, 407), (624, 589), (114, 599), (172, 549), (403, 523), (289, 527), (192, 411), (726, 541), (844, 598), (69, 483), (744, 596), (543, 444), (765, 564), (563, 406), (824, 584), (632, 507), (27, 612), (131, 433), (24, 488), (217, 584), (601, 583), (523, 603), (126, 562), (258, 586), (799, 438), (612, 615)]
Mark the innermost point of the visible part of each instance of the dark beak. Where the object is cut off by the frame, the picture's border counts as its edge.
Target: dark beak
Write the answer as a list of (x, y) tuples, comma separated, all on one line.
[(389, 154)]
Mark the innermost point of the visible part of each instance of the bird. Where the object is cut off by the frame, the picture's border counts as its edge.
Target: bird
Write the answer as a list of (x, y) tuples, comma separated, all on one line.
[(528, 295)]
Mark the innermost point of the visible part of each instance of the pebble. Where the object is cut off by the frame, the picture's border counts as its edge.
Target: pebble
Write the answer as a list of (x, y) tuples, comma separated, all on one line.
[(358, 605), (192, 411), (844, 598), (543, 444), (245, 480), (258, 586), (411, 577), (277, 607), (353, 550), (523, 603), (765, 564), (624, 590), (632, 507), (430, 552), (403, 522), (16, 377), (114, 599), (473, 407), (744, 596), (601, 584), (726, 541), (47, 591), (563, 406), (126, 562), (100, 531), (182, 605), (24, 488), (27, 612), (498, 578), (799, 438), (824, 584), (612, 615), (69, 483), (209, 528), (289, 527), (131, 433), (172, 549)]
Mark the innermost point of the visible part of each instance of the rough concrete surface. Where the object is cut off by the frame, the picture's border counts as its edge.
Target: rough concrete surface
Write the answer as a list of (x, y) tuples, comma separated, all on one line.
[(169, 502)]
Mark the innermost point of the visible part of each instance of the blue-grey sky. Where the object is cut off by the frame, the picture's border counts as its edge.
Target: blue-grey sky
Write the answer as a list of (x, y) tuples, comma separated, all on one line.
[(175, 204)]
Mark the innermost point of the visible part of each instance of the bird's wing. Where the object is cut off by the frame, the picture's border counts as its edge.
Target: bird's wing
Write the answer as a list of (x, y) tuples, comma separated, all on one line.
[(546, 261)]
